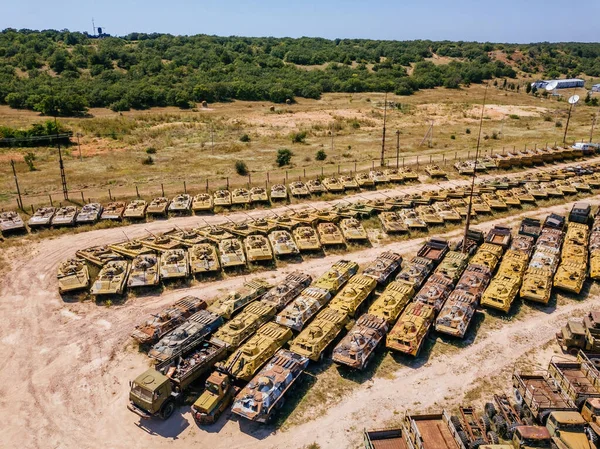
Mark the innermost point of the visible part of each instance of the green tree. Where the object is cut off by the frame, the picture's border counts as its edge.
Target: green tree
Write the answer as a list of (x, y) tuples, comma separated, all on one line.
[(284, 157), (321, 155)]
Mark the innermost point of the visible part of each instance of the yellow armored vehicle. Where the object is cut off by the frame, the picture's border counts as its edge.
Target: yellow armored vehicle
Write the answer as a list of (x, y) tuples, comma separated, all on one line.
[(523, 195), (305, 217), (455, 192), (203, 202), (447, 212), (278, 192), (364, 180), (392, 222), (333, 185), (231, 253), (42, 217), (262, 225), (349, 182), (306, 238), (594, 249), (158, 206), (357, 347), (465, 168), (537, 285), (11, 222), (89, 214), (329, 234), (73, 274), (480, 206), (412, 220), (240, 197), (284, 222), (161, 242), (436, 195), (509, 198), (222, 198), (335, 278), (494, 201), (408, 174), (435, 171), (353, 296), (230, 303), (536, 191), (111, 279), (174, 264), (429, 215), (239, 228), (246, 323), (379, 177), (570, 276), (488, 255), (288, 289), (501, 292), (552, 191), (461, 206), (258, 248), (64, 216), (390, 304), (283, 244), (297, 313), (181, 204), (258, 195), (315, 186), (113, 211), (203, 258), (326, 215), (216, 234), (580, 185), (144, 271), (394, 175), (98, 255), (384, 267), (410, 331), (299, 189), (131, 248), (314, 339), (136, 210), (453, 265), (353, 230), (572, 271), (188, 237)]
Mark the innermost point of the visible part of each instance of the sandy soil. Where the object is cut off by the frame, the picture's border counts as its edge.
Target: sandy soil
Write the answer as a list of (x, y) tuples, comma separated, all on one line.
[(64, 382)]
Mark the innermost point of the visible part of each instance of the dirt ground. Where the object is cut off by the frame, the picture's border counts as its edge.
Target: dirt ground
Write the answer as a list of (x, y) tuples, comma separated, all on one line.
[(64, 382)]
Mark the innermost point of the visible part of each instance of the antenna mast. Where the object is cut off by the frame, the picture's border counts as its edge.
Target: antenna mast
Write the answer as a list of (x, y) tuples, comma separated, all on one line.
[(93, 26), (382, 162)]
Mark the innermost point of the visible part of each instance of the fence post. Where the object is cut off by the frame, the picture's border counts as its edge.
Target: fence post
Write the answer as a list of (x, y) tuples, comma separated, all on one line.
[(402, 161), (455, 155), (286, 176), (228, 183), (184, 187), (110, 194), (339, 169), (305, 173), (373, 164), (137, 191), (444, 159), (32, 211), (162, 189), (321, 171), (206, 185), (82, 198), (50, 197), (249, 179), (354, 166)]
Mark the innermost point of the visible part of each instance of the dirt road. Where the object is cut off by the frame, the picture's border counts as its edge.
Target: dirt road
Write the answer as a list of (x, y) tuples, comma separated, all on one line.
[(64, 378)]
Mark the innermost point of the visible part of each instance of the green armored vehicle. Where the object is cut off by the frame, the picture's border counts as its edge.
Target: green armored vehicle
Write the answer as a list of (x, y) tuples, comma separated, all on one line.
[(335, 278), (241, 327)]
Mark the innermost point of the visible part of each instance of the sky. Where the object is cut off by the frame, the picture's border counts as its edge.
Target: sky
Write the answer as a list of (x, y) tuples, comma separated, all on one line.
[(515, 21)]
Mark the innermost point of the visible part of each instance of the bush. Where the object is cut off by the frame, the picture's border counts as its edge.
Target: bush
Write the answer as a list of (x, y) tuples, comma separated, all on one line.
[(321, 155), (284, 157), (495, 135), (453, 137), (245, 138), (558, 124), (148, 161), (150, 150), (241, 168), (299, 137), (29, 158), (514, 116), (547, 118), (468, 131)]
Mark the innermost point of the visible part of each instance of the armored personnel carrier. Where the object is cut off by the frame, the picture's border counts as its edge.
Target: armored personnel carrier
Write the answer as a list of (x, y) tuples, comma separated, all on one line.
[(345, 210), (315, 187), (494, 201), (461, 207), (299, 189), (188, 237), (283, 244), (113, 211), (306, 238), (304, 217), (222, 198), (509, 198), (258, 195), (447, 212), (429, 215), (196, 328), (288, 289), (330, 234), (572, 271), (243, 325), (499, 235), (111, 279), (594, 249), (258, 248), (394, 175), (384, 267), (357, 347), (364, 209), (364, 180), (408, 174), (64, 216), (11, 222), (523, 195), (488, 255), (335, 278), (231, 253), (239, 228), (412, 220), (89, 214), (326, 215), (393, 222), (565, 187), (353, 230), (240, 197), (466, 168), (456, 315), (261, 225), (145, 271), (318, 335), (570, 276), (333, 185), (537, 285), (501, 292), (416, 272), (435, 291), (135, 210), (453, 265), (161, 242), (73, 274), (229, 304), (42, 217), (390, 304), (181, 204), (216, 234), (98, 255), (351, 299), (580, 185), (174, 264), (435, 171), (165, 321), (264, 394), (278, 192), (202, 202), (400, 202), (297, 313), (349, 182), (158, 206), (552, 190), (203, 258), (379, 176), (480, 206), (283, 222), (410, 331)]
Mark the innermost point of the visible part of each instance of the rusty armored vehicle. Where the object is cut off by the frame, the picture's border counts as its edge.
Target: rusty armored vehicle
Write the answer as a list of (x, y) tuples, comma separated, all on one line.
[(354, 295), (364, 180), (11, 222), (435, 291), (357, 347), (245, 324), (330, 234), (412, 220), (299, 189), (258, 249), (98, 255), (89, 214), (113, 211), (379, 176), (168, 319), (278, 192), (283, 244), (64, 216), (306, 238), (447, 212), (158, 206), (230, 303), (435, 171), (202, 202), (349, 182), (416, 271), (456, 315), (384, 267), (42, 217), (222, 198), (112, 278), (315, 187), (499, 235), (135, 210), (333, 185), (258, 195), (181, 204), (298, 312), (145, 271), (429, 215), (409, 333), (390, 304), (319, 334), (265, 393), (240, 197), (393, 222), (73, 274), (231, 253), (288, 289), (203, 258), (335, 278), (216, 234)]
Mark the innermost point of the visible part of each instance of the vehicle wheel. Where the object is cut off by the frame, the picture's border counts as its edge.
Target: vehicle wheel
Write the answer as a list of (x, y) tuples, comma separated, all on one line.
[(478, 442), (280, 403), (592, 436), (579, 403), (518, 410), (485, 422), (490, 410), (500, 426), (543, 418), (167, 410), (463, 437), (518, 397), (528, 421), (573, 351), (510, 432), (455, 420), (493, 437)]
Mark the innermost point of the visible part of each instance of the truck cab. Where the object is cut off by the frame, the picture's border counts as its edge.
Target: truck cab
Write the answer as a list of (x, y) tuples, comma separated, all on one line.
[(572, 337), (151, 395), (530, 437), (568, 430), (217, 395), (591, 414)]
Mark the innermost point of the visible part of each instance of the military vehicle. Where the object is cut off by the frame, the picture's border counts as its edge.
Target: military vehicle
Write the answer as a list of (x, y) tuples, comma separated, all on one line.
[(435, 291), (523, 195), (416, 272), (245, 362), (364, 209), (379, 176), (245, 324), (261, 225), (572, 271), (385, 438), (113, 211), (197, 327), (42, 217), (462, 207), (581, 335), (174, 264), (509, 198), (429, 215), (319, 334), (202, 202), (400, 202), (164, 322), (390, 304), (326, 215), (581, 213), (381, 205), (364, 180), (505, 419), (353, 230), (283, 244), (353, 296), (135, 210), (393, 222), (501, 292), (283, 222), (580, 185), (11, 222), (499, 235), (471, 241), (488, 255), (144, 271), (299, 189), (569, 429), (551, 189), (203, 258), (240, 197), (278, 192), (315, 187), (410, 331), (455, 193), (412, 220), (333, 185), (480, 206), (590, 412), (64, 216), (161, 242), (537, 285), (258, 195), (306, 238), (89, 214), (258, 249), (530, 227), (432, 431), (265, 393), (181, 204), (230, 303), (408, 174), (288, 289), (494, 201), (188, 237), (298, 312), (434, 249), (466, 168), (335, 278), (357, 347), (304, 217), (98, 255), (594, 249), (349, 182), (420, 200), (384, 267), (452, 265), (345, 210), (158, 206), (570, 276), (238, 228), (222, 198), (394, 175), (219, 392), (111, 279), (565, 187), (446, 212), (330, 234), (231, 253), (578, 380), (73, 274), (156, 391), (435, 171), (216, 234)]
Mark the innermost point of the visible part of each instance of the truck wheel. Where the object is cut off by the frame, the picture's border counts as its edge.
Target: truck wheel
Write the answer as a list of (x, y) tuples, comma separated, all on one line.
[(456, 422), (518, 397), (463, 438), (518, 410), (528, 421), (579, 403), (592, 436), (500, 426), (490, 410), (167, 410), (573, 351), (478, 442), (493, 437), (485, 423)]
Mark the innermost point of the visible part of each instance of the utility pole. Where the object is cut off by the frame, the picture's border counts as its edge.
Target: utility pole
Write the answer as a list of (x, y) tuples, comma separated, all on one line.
[(572, 101), (592, 130), (332, 130), (19, 199), (63, 177), (212, 137), (397, 149), (382, 162)]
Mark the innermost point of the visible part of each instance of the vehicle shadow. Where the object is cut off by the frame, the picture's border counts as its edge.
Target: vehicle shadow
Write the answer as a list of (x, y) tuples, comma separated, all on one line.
[(170, 428)]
